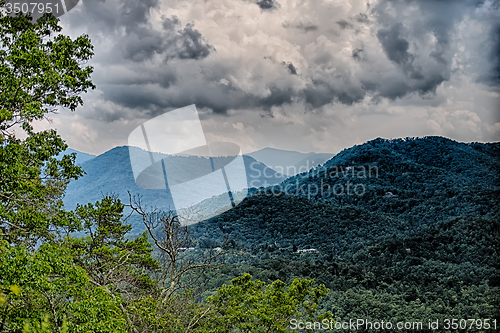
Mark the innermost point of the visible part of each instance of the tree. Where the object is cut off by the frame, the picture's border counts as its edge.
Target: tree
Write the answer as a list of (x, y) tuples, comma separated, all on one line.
[(118, 266), (40, 70), (251, 306), (112, 261), (45, 281), (170, 233), (172, 307)]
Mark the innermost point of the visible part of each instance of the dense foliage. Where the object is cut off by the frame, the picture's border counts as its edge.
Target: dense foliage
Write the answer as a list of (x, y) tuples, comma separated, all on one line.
[(447, 270), (39, 71), (274, 222)]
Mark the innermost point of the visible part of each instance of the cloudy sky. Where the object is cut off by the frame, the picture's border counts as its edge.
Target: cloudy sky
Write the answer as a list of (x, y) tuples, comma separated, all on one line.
[(306, 75)]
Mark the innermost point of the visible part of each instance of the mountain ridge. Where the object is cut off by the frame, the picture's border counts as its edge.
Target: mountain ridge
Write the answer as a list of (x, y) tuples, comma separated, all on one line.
[(289, 162), (111, 172), (420, 181), (81, 157), (414, 172)]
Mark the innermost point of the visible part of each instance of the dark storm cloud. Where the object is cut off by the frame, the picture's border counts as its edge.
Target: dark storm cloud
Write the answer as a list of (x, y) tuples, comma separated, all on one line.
[(152, 67), (142, 44), (320, 93), (490, 73), (391, 90), (291, 68), (362, 18), (134, 96), (277, 97), (107, 16), (191, 44), (344, 24), (268, 4), (172, 42), (396, 49), (424, 71), (152, 100), (128, 24), (494, 74), (304, 27), (135, 68), (357, 54)]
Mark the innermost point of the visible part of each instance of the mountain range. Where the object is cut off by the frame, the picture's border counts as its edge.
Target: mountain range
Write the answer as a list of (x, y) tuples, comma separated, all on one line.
[(399, 185), (416, 180), (111, 173), (396, 229), (288, 162), (405, 177)]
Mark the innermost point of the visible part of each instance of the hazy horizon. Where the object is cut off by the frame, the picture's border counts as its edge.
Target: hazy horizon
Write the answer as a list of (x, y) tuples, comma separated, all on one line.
[(302, 152)]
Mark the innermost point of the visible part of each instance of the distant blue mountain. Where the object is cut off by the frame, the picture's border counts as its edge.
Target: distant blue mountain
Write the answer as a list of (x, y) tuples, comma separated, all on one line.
[(81, 157), (289, 162), (111, 173)]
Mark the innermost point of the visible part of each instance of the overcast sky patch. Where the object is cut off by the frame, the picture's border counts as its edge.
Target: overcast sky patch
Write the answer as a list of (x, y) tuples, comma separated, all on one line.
[(331, 73)]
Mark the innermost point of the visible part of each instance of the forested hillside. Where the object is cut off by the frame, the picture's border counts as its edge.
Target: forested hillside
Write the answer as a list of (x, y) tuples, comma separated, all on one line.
[(429, 179), (447, 270), (270, 222), (400, 190), (427, 250)]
